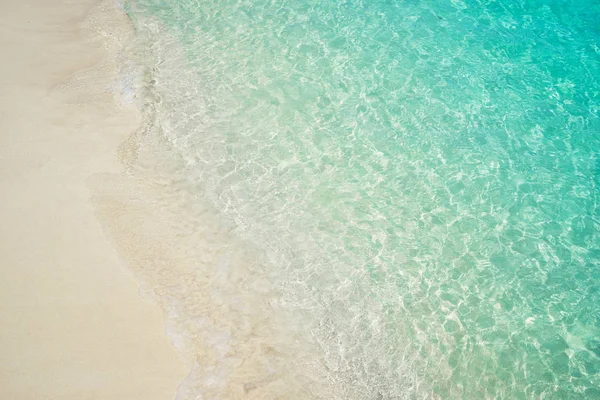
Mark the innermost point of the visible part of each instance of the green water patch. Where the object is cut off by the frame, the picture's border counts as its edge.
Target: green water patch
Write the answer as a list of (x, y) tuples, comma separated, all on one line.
[(423, 175)]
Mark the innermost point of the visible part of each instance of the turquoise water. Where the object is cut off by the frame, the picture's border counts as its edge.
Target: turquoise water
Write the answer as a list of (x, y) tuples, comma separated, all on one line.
[(423, 177)]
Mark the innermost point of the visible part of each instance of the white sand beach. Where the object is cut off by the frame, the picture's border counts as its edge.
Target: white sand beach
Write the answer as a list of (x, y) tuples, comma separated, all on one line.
[(72, 324)]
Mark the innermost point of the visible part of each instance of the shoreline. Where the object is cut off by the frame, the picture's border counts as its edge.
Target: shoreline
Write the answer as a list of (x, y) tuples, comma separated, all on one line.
[(74, 324)]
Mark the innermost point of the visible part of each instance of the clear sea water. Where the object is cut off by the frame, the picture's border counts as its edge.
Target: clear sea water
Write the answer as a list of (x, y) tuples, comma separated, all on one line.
[(422, 179)]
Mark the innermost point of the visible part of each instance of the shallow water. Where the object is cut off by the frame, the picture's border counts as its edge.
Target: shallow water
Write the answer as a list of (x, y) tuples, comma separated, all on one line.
[(418, 181)]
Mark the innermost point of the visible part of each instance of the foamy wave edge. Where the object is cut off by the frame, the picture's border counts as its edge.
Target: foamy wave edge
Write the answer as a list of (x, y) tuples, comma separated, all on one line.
[(189, 258)]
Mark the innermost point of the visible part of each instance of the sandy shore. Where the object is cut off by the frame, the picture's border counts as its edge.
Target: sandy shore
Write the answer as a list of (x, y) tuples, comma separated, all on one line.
[(72, 323)]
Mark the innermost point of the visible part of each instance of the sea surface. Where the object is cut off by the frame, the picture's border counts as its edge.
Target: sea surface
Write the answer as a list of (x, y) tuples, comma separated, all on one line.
[(419, 181)]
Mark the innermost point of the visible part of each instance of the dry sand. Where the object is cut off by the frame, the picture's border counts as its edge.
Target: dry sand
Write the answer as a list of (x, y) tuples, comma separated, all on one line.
[(72, 325)]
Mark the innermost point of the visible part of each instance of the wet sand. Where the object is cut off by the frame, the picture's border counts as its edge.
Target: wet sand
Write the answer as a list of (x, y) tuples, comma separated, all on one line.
[(73, 325)]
